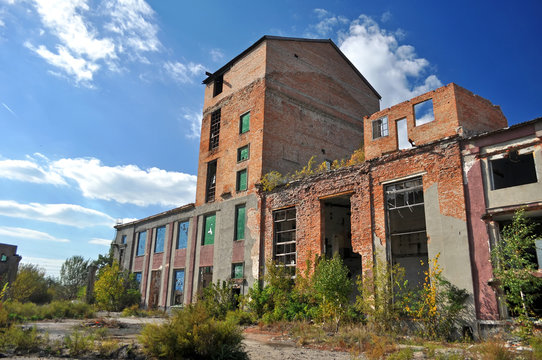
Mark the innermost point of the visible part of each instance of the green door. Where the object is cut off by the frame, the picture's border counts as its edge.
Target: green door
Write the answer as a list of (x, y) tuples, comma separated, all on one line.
[(209, 235)]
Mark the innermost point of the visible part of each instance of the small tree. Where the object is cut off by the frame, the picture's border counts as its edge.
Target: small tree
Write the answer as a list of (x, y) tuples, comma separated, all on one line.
[(514, 265), (30, 285), (115, 289), (73, 275)]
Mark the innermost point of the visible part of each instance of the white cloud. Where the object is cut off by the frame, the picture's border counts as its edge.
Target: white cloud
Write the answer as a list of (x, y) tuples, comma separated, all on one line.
[(97, 241), (386, 16), (194, 119), (28, 171), (128, 183), (23, 233), (394, 70), (64, 214), (216, 54), (131, 20), (51, 266), (328, 22), (183, 73)]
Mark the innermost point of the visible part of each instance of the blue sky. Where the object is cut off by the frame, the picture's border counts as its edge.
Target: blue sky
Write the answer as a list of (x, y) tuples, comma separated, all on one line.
[(100, 100)]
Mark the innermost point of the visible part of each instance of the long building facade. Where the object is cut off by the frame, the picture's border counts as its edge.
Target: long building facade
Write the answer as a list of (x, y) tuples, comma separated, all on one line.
[(429, 184)]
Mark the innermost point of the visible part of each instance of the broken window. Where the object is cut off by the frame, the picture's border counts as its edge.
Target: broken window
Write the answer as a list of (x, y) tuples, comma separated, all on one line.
[(243, 153), (403, 142), (178, 286), (423, 112), (244, 123), (380, 127), (406, 228), (218, 85), (237, 271), (240, 222), (182, 236), (512, 170), (242, 178), (160, 239), (141, 238), (211, 182), (284, 249), (215, 130), (209, 230), (205, 277)]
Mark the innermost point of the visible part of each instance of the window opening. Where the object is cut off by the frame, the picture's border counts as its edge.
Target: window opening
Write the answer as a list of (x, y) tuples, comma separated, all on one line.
[(407, 229), (402, 135), (209, 228), (3, 258), (242, 180), (211, 182), (243, 153), (141, 238), (215, 130), (123, 239), (423, 112), (240, 222), (154, 293), (182, 236), (160, 239), (513, 170), (218, 85), (138, 278), (380, 127), (284, 248), (178, 287), (205, 277), (237, 271), (244, 123), (337, 235)]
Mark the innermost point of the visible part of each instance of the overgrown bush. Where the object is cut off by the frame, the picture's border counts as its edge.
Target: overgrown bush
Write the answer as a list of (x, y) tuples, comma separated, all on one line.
[(193, 334), (55, 310), (218, 299), (30, 285), (21, 340), (116, 289)]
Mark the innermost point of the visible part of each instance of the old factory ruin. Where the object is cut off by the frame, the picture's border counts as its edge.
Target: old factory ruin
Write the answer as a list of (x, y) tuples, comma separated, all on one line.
[(441, 174)]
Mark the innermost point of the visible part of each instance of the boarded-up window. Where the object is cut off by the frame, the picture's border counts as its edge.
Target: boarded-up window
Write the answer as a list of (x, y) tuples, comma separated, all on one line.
[(423, 112), (240, 222), (243, 153), (242, 180), (182, 236), (237, 271), (244, 123), (209, 230), (160, 239), (141, 238), (215, 130), (284, 248), (178, 288)]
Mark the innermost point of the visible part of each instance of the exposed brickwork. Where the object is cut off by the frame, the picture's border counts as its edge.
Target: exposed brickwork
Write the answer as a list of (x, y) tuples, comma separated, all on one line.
[(456, 111)]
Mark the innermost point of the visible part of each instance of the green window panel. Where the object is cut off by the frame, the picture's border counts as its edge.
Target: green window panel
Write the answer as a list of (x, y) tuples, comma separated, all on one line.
[(240, 222), (242, 180), (243, 153), (244, 123), (237, 271), (209, 234)]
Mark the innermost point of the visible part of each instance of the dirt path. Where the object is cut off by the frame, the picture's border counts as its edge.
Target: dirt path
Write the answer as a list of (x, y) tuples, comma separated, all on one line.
[(258, 345)]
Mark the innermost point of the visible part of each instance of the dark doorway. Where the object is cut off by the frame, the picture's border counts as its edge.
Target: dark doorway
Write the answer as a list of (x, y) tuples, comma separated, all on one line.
[(337, 233), (154, 288)]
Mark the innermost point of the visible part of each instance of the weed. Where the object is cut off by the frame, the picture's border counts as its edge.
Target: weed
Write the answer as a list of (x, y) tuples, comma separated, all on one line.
[(495, 349), (78, 343), (21, 340), (403, 354)]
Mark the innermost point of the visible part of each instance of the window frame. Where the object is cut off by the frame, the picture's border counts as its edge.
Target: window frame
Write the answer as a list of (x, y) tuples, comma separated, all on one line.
[(163, 241), (236, 229), (203, 239), (210, 182), (139, 243), (382, 125), (530, 155), (238, 180), (174, 286), (182, 222), (138, 274), (239, 150), (214, 129), (241, 123), (233, 265), (218, 85), (277, 234)]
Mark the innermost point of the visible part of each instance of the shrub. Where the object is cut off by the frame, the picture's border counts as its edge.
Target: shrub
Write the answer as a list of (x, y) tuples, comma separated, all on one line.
[(115, 289), (218, 299), (78, 343), (21, 340), (192, 334), (55, 310), (30, 285)]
